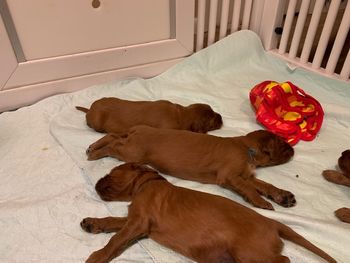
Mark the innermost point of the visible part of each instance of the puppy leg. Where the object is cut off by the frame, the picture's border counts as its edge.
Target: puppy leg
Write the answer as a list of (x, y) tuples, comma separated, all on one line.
[(130, 232), (103, 225), (343, 214), (105, 146), (336, 177), (246, 190), (281, 259), (280, 196)]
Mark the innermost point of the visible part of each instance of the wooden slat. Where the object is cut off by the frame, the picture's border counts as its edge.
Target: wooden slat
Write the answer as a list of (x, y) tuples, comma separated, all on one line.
[(339, 41), (311, 32), (345, 72), (256, 16), (287, 26), (212, 21), (267, 24), (236, 15), (200, 24), (326, 32), (246, 14), (224, 18), (299, 28)]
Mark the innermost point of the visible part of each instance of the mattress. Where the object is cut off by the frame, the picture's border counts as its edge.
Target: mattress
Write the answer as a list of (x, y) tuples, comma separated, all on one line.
[(47, 185)]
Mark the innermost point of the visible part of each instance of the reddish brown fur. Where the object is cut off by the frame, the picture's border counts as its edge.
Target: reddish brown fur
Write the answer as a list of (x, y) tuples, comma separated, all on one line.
[(342, 178), (201, 226), (117, 115), (228, 162)]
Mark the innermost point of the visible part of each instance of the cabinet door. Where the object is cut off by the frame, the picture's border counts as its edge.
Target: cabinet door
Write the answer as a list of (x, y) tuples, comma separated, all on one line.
[(8, 61), (61, 39)]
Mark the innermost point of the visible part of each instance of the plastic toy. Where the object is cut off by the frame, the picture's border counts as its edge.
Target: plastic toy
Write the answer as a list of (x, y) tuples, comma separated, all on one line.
[(287, 110)]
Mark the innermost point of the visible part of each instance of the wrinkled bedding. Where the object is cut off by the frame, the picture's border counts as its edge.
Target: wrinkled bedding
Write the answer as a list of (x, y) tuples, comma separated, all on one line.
[(47, 185)]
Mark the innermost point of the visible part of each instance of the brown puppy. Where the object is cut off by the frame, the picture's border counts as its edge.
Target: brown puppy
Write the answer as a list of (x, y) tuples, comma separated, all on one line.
[(116, 115), (342, 178), (201, 226), (228, 162)]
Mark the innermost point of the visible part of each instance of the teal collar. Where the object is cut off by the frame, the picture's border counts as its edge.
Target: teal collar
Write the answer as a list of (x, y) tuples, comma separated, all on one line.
[(251, 154)]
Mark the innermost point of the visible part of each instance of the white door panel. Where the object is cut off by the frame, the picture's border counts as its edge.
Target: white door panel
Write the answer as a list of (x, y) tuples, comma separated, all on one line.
[(117, 35), (48, 28)]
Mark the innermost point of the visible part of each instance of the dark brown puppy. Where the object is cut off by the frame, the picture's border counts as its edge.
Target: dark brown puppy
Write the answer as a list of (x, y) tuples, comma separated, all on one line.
[(201, 226), (228, 162), (117, 115), (342, 178)]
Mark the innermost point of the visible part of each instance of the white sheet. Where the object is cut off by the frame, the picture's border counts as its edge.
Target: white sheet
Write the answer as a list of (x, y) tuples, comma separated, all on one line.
[(46, 189)]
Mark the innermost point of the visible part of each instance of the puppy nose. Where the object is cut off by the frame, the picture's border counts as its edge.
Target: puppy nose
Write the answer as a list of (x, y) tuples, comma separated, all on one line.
[(346, 152), (218, 119), (101, 184), (289, 151)]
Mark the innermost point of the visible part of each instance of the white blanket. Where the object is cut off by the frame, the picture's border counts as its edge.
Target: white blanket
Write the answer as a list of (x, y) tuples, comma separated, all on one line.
[(47, 189)]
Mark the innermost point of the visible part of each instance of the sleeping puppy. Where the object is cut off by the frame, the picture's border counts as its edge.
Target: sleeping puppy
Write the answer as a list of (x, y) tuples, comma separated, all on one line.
[(117, 115), (200, 226), (228, 162), (342, 178)]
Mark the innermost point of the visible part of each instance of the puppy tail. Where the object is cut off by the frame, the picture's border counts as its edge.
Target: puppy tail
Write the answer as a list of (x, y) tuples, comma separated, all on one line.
[(82, 109), (289, 234)]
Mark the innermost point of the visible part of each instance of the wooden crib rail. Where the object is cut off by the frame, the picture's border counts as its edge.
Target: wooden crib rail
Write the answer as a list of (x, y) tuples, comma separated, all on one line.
[(313, 34), (217, 19), (323, 54)]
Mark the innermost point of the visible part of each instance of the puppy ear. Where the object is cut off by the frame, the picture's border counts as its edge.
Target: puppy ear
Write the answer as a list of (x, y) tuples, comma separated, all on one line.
[(267, 145), (205, 119), (275, 148), (344, 162), (197, 126), (118, 184)]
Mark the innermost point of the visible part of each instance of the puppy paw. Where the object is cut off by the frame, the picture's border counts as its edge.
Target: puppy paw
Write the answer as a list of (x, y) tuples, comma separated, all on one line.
[(262, 204), (88, 150), (91, 156), (284, 198), (90, 225), (98, 257), (333, 176), (268, 206), (101, 147), (343, 214), (91, 153)]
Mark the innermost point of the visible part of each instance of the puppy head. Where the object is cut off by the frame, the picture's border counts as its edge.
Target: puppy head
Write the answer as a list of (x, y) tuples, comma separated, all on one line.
[(203, 118), (271, 148), (344, 162), (122, 181)]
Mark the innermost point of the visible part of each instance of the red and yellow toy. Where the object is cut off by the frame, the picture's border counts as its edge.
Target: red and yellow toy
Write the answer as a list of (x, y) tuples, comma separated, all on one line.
[(287, 110)]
